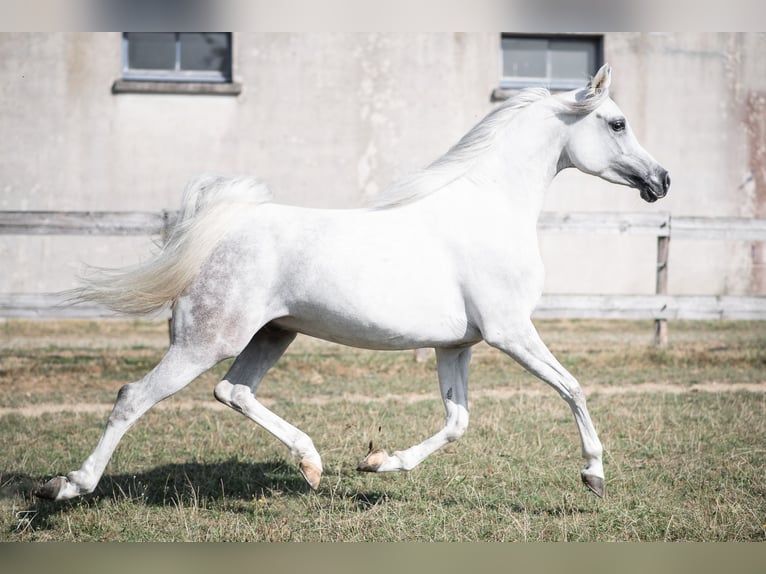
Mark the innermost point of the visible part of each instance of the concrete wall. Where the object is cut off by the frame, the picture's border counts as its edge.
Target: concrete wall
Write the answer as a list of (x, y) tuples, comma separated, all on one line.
[(329, 119), (698, 103)]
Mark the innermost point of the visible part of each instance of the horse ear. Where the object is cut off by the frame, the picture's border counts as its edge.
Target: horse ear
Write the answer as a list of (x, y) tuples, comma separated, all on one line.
[(601, 80)]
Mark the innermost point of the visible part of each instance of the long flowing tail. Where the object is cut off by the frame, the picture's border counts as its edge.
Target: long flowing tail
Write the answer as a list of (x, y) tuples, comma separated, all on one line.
[(211, 206)]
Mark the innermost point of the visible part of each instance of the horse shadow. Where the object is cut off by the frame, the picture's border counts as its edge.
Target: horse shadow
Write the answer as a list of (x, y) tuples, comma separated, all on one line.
[(185, 484), (192, 483)]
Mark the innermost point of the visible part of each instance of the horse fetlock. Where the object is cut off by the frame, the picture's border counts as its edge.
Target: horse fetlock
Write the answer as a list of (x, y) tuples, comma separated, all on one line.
[(304, 448), (456, 431), (84, 481), (380, 461), (402, 460), (594, 467)]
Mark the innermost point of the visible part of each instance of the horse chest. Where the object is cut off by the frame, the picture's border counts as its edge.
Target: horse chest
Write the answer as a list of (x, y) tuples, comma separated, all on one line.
[(508, 280)]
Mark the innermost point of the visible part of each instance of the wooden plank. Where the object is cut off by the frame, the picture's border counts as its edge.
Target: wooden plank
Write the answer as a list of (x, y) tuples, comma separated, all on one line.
[(53, 306), (660, 307), (731, 228), (665, 307), (151, 223), (83, 222), (668, 307), (596, 307), (656, 224)]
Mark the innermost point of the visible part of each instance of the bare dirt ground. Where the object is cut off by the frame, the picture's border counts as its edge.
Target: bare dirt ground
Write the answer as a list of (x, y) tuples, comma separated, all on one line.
[(409, 398)]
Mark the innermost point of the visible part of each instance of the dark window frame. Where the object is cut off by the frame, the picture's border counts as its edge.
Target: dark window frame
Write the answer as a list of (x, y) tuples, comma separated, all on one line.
[(176, 80), (549, 81)]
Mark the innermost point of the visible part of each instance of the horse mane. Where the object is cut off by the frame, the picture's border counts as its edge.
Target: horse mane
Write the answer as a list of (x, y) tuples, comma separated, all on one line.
[(462, 156)]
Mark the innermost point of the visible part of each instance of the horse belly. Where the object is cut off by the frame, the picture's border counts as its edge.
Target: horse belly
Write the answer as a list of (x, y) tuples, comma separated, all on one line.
[(446, 331), (374, 308)]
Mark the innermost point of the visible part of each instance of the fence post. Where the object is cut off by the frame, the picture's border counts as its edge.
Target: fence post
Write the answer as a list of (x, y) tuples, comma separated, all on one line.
[(663, 249)]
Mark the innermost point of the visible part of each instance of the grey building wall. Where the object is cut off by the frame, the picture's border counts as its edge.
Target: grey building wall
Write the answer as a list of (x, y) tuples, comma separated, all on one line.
[(330, 119)]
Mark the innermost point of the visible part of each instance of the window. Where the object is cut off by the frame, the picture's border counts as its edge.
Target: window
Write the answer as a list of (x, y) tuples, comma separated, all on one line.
[(555, 62), (178, 62)]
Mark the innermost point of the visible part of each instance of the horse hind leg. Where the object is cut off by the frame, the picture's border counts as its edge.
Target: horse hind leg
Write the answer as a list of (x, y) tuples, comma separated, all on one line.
[(238, 390), (452, 366), (177, 369)]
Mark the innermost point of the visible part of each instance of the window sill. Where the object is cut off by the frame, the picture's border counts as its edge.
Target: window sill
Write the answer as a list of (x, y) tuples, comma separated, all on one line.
[(188, 88)]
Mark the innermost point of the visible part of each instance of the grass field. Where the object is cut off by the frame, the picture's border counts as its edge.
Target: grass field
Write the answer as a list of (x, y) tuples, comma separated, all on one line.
[(684, 431)]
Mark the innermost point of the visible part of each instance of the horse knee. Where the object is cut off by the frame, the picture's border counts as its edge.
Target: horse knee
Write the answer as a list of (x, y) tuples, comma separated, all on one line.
[(235, 396), (241, 395), (222, 392), (573, 394)]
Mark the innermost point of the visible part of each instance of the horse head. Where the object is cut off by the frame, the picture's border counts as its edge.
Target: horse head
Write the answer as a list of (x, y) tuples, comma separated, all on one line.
[(600, 141)]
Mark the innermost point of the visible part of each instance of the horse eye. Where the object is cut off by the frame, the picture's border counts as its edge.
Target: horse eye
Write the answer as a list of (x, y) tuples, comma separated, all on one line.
[(617, 125)]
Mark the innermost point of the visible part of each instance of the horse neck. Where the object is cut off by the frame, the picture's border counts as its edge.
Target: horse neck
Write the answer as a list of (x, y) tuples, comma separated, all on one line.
[(523, 163)]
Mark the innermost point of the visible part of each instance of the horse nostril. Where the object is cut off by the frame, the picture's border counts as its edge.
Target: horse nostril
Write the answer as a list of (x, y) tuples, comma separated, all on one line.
[(666, 182)]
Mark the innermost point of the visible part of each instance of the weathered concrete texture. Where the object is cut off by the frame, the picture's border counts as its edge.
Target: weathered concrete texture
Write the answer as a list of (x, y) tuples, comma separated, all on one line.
[(755, 126), (330, 119), (686, 96)]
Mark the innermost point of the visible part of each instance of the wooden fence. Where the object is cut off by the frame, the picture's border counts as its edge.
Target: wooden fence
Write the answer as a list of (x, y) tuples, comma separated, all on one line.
[(660, 307)]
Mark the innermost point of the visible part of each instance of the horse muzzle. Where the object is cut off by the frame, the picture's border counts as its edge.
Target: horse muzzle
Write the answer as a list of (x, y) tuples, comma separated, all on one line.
[(655, 187)]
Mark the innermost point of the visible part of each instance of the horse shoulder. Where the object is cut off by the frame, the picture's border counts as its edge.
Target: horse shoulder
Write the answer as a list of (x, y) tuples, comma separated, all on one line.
[(503, 271)]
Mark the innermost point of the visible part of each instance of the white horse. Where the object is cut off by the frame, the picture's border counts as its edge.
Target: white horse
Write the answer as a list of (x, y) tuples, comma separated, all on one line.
[(244, 275)]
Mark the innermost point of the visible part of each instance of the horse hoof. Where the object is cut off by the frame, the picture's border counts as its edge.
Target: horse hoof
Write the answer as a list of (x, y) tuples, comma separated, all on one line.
[(594, 484), (373, 460), (311, 472), (51, 489)]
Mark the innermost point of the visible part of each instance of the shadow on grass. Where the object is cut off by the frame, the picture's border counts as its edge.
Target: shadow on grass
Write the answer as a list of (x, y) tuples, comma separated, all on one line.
[(223, 483), (366, 500), (552, 509), (167, 485), (228, 479)]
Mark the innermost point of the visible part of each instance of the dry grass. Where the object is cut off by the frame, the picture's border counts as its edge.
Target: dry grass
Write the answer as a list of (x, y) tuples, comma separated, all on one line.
[(681, 465)]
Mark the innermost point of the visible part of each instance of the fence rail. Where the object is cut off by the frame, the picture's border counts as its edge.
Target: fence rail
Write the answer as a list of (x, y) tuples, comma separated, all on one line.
[(661, 307), (85, 222), (657, 307)]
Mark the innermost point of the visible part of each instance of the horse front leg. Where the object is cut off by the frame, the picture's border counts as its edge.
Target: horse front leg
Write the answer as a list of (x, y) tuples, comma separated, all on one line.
[(452, 366), (523, 343)]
